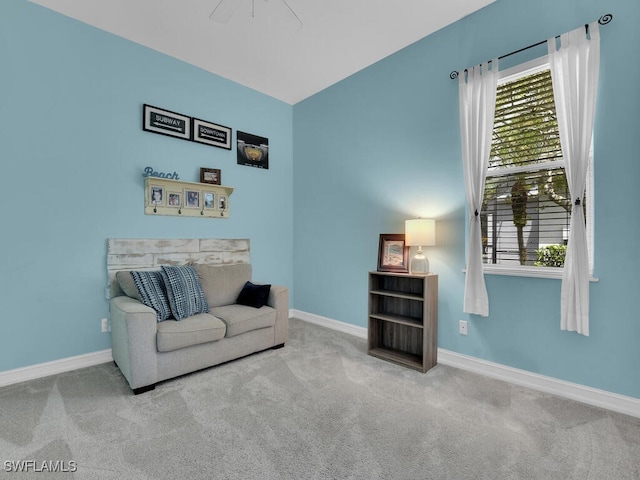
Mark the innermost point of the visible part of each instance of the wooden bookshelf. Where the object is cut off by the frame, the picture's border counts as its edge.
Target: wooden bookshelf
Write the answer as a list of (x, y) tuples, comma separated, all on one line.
[(403, 319)]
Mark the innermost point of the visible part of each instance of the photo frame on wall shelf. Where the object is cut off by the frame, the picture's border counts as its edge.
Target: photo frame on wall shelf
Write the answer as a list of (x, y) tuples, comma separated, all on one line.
[(211, 134), (393, 253), (166, 122), (174, 199), (156, 195), (212, 176), (192, 198), (209, 199)]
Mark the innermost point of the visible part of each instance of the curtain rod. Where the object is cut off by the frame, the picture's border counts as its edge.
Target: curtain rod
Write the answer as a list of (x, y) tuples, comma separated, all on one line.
[(603, 20)]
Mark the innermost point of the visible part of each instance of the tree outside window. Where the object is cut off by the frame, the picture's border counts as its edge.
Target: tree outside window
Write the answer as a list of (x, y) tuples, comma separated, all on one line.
[(526, 209)]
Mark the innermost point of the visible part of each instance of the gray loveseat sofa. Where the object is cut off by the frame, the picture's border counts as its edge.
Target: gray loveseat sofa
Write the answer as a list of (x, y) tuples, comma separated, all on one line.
[(148, 351)]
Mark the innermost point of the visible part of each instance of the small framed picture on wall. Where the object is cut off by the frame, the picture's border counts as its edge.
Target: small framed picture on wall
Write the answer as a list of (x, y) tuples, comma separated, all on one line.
[(253, 150), (210, 175)]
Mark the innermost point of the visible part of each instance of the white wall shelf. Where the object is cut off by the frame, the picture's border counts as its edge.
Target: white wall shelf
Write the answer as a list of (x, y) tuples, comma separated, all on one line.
[(163, 196)]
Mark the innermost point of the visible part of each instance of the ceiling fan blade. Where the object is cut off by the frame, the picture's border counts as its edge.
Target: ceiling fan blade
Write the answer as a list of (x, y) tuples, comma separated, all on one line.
[(293, 13), (224, 11)]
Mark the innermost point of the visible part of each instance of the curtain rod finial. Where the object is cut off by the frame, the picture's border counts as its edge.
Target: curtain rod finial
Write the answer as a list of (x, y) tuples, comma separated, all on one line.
[(606, 18), (453, 75)]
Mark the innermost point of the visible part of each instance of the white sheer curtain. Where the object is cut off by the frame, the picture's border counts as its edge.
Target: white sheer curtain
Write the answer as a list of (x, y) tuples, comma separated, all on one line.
[(574, 72), (477, 109)]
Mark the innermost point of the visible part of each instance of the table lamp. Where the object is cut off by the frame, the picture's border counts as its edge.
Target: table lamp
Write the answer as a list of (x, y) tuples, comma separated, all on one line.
[(420, 232)]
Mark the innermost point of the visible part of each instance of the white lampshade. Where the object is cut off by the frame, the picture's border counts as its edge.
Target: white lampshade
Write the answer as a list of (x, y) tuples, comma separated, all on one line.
[(420, 232)]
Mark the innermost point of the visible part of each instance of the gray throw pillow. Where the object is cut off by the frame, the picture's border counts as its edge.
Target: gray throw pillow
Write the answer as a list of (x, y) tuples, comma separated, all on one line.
[(127, 285)]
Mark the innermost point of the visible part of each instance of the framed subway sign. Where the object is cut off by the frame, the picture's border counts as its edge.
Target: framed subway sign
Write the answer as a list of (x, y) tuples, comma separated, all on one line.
[(211, 134), (165, 122)]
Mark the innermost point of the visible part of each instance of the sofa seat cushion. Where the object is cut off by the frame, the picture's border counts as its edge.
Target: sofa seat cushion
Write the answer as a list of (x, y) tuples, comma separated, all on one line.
[(201, 328), (240, 318)]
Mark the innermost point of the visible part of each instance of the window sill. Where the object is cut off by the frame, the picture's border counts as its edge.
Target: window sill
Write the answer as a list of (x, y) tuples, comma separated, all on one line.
[(533, 272)]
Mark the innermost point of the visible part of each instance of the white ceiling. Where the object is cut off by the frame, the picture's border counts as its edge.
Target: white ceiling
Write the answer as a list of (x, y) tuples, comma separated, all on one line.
[(269, 51)]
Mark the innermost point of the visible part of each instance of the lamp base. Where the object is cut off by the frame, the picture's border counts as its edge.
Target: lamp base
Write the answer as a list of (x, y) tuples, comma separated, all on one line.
[(419, 264)]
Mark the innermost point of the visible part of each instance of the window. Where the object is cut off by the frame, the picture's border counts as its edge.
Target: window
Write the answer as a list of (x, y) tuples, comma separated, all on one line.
[(526, 209)]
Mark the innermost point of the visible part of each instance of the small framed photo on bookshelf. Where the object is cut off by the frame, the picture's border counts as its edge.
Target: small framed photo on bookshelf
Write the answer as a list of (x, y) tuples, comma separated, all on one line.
[(393, 253)]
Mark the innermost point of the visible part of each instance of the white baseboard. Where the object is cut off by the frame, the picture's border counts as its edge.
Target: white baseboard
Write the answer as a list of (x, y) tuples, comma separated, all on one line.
[(329, 323), (561, 388), (40, 370), (580, 393)]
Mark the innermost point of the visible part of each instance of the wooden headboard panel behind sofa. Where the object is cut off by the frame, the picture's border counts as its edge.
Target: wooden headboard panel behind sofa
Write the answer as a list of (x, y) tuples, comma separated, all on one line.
[(151, 253)]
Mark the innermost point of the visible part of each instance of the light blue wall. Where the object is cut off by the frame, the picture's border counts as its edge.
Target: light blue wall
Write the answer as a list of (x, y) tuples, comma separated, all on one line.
[(383, 146), (72, 152)]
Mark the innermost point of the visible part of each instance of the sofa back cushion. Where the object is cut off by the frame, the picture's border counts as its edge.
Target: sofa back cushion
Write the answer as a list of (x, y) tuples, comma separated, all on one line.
[(223, 283)]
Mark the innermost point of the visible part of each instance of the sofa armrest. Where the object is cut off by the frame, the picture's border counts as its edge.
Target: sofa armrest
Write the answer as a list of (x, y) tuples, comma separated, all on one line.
[(133, 340), (279, 299)]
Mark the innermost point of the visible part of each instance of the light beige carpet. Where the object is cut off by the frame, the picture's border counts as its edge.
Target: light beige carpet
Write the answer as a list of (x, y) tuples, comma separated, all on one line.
[(319, 408)]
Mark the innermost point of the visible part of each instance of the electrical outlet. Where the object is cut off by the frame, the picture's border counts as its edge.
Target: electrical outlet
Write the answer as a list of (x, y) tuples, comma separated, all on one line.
[(105, 325), (462, 324)]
